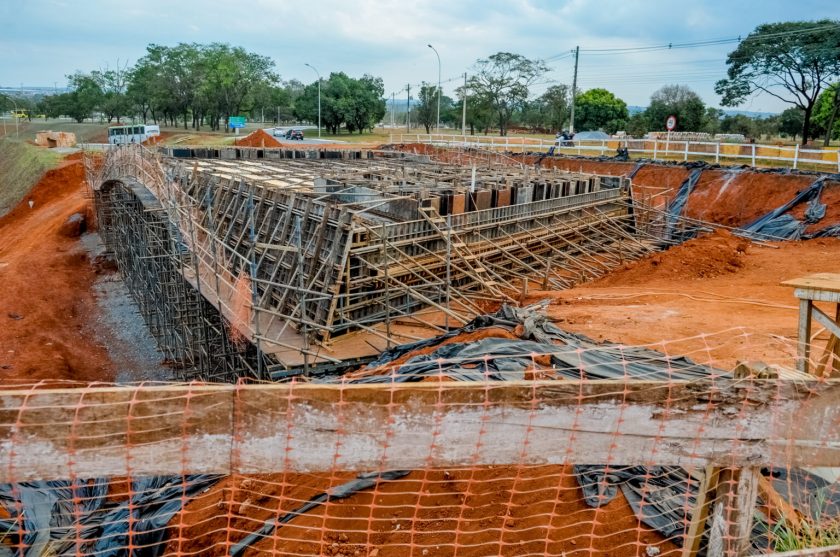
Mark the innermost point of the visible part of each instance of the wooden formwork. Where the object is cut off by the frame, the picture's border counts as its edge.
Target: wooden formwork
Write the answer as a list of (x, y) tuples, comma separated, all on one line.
[(296, 253)]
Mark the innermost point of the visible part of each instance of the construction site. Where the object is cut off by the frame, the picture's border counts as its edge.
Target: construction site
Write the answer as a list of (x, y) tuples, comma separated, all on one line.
[(418, 350)]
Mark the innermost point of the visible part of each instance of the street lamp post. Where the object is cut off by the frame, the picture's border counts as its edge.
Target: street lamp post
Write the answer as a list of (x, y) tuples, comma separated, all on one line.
[(16, 117), (438, 91), (319, 96)]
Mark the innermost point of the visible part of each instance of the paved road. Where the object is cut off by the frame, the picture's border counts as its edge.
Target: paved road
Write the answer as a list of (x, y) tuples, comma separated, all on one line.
[(308, 133)]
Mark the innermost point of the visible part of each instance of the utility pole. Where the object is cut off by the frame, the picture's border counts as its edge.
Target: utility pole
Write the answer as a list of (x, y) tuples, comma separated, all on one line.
[(574, 91), (393, 107), (408, 108), (464, 109)]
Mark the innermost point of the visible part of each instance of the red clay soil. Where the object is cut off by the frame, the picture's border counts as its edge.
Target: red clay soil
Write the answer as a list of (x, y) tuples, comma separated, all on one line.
[(737, 198), (716, 299), (467, 512), (716, 254), (258, 138), (46, 300)]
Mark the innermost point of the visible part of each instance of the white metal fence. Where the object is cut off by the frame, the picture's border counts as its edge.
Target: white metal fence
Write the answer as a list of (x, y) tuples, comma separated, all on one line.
[(657, 149)]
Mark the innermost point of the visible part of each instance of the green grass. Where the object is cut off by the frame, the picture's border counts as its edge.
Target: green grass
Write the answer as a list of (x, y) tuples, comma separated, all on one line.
[(21, 166), (819, 532), (807, 535)]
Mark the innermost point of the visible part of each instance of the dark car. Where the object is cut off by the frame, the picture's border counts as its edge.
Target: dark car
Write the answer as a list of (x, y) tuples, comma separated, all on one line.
[(295, 134)]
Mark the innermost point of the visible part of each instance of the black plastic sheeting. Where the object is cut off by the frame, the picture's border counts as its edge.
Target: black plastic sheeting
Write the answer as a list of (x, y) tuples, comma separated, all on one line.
[(677, 205), (660, 496), (572, 356), (361, 483), (65, 518), (778, 225)]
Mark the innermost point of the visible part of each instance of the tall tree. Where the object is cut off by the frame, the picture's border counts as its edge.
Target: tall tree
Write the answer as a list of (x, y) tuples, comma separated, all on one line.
[(598, 109), (677, 100), (83, 99), (503, 79), (792, 61), (114, 84), (790, 122), (556, 103), (426, 109), (711, 120), (827, 113)]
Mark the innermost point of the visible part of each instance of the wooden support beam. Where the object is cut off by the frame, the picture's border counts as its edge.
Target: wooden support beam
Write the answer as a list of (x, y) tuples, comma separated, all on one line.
[(250, 429), (700, 513)]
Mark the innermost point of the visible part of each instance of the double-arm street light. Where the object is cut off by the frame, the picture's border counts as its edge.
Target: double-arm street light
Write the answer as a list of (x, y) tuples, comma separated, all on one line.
[(438, 91), (310, 66)]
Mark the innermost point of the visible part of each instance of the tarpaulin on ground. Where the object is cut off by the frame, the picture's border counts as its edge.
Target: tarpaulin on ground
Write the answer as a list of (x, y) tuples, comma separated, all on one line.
[(778, 225), (65, 518), (662, 497), (569, 355), (676, 207)]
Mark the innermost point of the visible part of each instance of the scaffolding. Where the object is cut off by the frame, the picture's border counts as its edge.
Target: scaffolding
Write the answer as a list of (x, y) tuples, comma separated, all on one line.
[(268, 268)]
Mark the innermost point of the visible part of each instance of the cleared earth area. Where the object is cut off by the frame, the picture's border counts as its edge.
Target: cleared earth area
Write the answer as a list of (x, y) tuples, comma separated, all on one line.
[(715, 298)]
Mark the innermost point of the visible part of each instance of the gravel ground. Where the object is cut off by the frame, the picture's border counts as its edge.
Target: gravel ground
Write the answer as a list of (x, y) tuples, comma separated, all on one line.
[(122, 329)]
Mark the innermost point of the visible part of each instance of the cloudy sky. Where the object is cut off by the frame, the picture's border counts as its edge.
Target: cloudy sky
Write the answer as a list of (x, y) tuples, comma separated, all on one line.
[(43, 40)]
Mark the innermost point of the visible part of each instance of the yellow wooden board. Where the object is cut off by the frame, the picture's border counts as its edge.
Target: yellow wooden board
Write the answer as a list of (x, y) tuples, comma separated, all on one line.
[(821, 281)]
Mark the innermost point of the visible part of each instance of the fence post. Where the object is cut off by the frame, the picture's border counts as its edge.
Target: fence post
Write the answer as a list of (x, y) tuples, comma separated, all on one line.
[(655, 145), (753, 155), (735, 506), (685, 155), (795, 156), (717, 152)]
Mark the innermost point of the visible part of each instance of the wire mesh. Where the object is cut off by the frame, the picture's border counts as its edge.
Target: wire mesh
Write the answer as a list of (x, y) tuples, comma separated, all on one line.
[(671, 455)]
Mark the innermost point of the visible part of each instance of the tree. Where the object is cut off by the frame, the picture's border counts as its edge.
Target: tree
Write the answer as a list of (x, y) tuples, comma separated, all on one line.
[(503, 80), (738, 123), (792, 61), (711, 120), (357, 104), (365, 106), (83, 99), (555, 101), (677, 100), (598, 109), (113, 83), (826, 112), (333, 89), (790, 122), (479, 110), (638, 125), (426, 110)]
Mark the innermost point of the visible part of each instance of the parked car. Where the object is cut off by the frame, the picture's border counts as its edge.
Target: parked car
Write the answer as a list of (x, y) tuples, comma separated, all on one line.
[(295, 135)]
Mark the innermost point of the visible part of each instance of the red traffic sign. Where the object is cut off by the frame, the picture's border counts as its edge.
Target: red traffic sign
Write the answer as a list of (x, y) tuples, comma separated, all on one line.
[(671, 122)]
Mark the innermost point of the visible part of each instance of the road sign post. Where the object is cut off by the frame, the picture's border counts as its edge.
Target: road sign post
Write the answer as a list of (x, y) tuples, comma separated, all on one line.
[(236, 122), (670, 124)]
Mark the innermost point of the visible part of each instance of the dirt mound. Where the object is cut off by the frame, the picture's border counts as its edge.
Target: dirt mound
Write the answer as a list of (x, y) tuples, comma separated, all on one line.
[(708, 256), (258, 138), (46, 303)]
